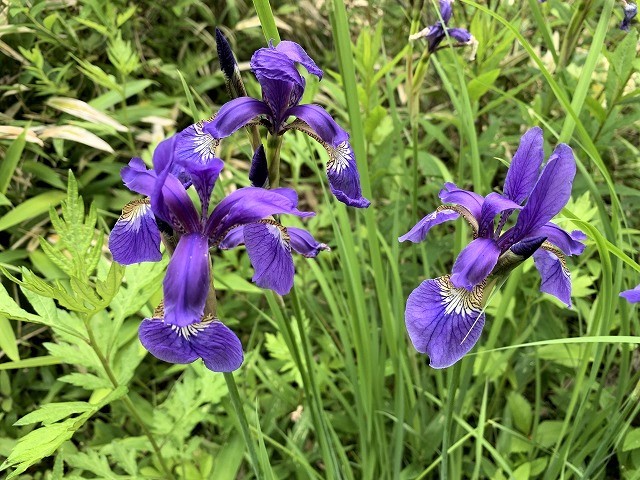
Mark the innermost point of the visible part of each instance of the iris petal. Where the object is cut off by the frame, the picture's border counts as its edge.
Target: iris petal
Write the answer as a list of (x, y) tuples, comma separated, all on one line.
[(461, 35), (270, 254), (217, 345), (135, 236), (297, 54), (632, 296), (556, 279), (234, 115), (165, 341), (344, 179), (469, 200), (525, 166), (419, 232), (195, 145), (569, 243), (321, 123), (171, 203), (304, 243), (443, 321), (474, 263), (137, 178)]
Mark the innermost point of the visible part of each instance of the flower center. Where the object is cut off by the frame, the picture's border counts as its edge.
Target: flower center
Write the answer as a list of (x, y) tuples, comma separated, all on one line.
[(459, 300)]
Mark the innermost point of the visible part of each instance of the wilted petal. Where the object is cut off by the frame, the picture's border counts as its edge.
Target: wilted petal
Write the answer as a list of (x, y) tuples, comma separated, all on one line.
[(494, 203), (234, 238), (469, 200), (460, 35), (297, 54), (556, 279), (250, 204), (304, 243), (259, 171), (525, 166), (194, 145), (344, 179), (137, 178), (631, 296), (270, 254), (217, 345), (443, 321), (475, 263), (569, 243), (419, 232), (166, 342), (321, 123), (186, 283), (135, 236), (550, 194), (234, 115)]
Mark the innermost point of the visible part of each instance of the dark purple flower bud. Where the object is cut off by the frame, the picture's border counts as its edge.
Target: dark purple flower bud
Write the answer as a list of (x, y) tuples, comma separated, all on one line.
[(259, 171), (229, 66), (630, 11)]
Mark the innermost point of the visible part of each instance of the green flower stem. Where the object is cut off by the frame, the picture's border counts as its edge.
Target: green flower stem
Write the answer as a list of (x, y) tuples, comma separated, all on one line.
[(273, 159), (242, 419), (127, 401)]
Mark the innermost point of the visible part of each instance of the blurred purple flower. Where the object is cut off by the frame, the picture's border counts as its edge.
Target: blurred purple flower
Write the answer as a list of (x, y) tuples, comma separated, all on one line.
[(630, 12), (437, 32), (282, 89), (632, 296), (444, 316)]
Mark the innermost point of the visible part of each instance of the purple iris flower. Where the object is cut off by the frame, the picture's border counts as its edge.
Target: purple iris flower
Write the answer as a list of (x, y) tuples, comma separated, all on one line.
[(180, 332), (282, 88), (444, 316), (632, 296), (630, 11), (437, 32)]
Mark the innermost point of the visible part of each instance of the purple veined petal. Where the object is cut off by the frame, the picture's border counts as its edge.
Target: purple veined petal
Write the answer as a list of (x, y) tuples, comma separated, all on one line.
[(247, 205), (135, 236), (474, 263), (163, 155), (186, 283), (443, 321), (259, 171), (569, 243), (137, 178), (550, 194), (233, 239), (279, 96), (234, 115), (165, 342), (460, 35), (494, 203), (556, 279), (344, 179), (446, 10), (469, 200), (195, 145), (321, 123), (171, 204), (631, 296), (303, 242), (419, 232), (204, 177), (297, 54), (525, 166), (216, 344), (270, 254), (271, 63)]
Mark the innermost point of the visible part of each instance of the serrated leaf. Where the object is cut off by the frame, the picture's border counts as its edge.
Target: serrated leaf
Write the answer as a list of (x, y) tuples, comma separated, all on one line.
[(87, 381), (31, 208), (52, 412), (9, 308)]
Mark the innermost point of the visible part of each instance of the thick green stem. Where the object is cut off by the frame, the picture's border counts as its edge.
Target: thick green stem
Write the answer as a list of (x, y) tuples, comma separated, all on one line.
[(242, 419)]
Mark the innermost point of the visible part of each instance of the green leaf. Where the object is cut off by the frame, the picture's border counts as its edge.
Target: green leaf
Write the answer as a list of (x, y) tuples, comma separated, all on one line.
[(31, 208), (87, 381), (482, 84), (8, 339), (521, 411), (631, 440), (11, 159), (548, 432), (9, 308), (53, 412), (32, 362)]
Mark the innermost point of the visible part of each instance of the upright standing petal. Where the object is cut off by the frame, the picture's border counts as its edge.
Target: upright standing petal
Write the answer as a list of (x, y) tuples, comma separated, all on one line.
[(525, 166), (445, 10), (135, 236), (204, 177), (419, 232), (443, 321), (631, 296), (474, 263), (556, 279), (234, 115), (630, 11), (270, 254), (186, 283), (494, 203), (171, 204), (469, 200)]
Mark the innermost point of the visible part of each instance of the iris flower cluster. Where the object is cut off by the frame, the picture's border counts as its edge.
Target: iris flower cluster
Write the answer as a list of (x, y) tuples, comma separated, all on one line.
[(436, 33), (185, 326), (445, 316)]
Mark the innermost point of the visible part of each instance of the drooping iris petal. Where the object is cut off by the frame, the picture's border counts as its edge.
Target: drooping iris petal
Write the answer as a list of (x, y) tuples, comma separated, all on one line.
[(270, 254), (344, 179), (137, 178), (469, 200), (234, 115), (259, 171), (217, 345), (165, 341), (631, 296), (556, 279), (474, 263), (297, 54), (303, 242), (569, 243), (171, 203), (494, 203), (135, 236), (460, 35), (186, 283), (443, 321), (233, 238), (204, 177), (247, 205), (321, 123), (194, 145), (270, 63), (525, 166), (419, 232), (550, 194)]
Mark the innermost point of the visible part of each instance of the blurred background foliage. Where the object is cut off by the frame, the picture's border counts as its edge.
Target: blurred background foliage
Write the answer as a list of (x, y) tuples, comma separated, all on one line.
[(85, 85)]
